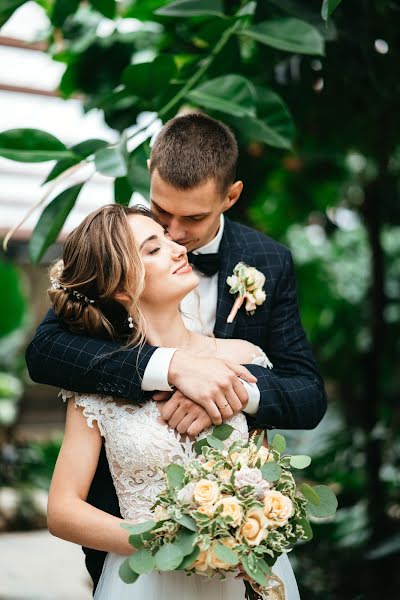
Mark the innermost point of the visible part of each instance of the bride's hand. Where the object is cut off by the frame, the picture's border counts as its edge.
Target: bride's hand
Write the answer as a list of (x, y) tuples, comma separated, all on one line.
[(212, 383), (182, 414)]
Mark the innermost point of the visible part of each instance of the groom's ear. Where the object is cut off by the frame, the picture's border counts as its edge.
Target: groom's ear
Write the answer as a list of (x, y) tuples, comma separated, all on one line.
[(233, 195), (148, 161)]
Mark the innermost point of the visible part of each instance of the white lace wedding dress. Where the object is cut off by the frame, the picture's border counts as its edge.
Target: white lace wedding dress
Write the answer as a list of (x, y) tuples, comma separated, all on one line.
[(138, 447)]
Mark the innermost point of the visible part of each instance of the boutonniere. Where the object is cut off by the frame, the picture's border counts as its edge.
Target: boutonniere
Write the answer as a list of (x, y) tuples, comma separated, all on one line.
[(247, 283)]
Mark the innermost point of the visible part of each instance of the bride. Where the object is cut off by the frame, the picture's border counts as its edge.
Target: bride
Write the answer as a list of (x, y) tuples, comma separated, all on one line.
[(133, 297)]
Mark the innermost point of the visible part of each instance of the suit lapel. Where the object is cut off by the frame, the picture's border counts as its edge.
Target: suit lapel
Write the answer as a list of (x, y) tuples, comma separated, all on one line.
[(231, 252)]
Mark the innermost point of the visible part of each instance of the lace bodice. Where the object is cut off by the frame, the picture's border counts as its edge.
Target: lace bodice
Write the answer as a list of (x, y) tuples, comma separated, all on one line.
[(139, 445)]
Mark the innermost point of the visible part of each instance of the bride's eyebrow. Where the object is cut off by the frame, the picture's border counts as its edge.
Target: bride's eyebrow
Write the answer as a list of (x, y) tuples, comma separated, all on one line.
[(149, 239)]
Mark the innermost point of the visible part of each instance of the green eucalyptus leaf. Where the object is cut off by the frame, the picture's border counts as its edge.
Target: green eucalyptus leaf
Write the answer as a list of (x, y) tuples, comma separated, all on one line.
[(31, 145), (222, 432), (189, 558), (168, 557), (230, 94), (175, 476), (310, 494), (192, 8), (111, 162), (185, 541), (271, 471), (279, 443), (226, 554), (186, 521), (328, 7), (51, 221), (142, 562), (288, 34), (139, 528), (300, 461), (214, 442), (198, 446), (327, 502), (126, 573)]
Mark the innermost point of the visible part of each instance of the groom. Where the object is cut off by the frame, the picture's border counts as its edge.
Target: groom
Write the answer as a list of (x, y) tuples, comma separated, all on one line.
[(192, 168)]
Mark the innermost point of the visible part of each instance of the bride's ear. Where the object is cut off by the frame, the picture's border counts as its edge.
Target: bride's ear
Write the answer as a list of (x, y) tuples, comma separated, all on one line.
[(122, 298)]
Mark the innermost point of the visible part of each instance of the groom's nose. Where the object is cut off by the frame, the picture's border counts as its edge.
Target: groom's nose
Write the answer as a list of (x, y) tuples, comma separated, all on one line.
[(176, 230)]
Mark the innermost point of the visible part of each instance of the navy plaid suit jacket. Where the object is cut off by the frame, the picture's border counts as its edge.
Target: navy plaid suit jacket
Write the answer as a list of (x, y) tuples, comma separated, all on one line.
[(292, 395)]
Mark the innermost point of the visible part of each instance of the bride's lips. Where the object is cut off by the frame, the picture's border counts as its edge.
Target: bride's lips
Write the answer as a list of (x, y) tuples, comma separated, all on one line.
[(184, 268)]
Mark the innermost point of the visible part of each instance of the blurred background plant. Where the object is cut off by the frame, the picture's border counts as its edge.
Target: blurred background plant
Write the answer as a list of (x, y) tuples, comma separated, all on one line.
[(313, 99)]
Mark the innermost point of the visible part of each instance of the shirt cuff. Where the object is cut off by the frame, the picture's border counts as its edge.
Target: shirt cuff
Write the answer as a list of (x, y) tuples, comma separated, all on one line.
[(155, 376), (254, 397)]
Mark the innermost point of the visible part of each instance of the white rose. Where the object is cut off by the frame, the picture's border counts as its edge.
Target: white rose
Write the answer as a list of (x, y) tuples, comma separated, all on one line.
[(232, 281), (259, 296), (231, 508), (254, 279), (277, 508), (247, 476), (160, 513), (185, 495)]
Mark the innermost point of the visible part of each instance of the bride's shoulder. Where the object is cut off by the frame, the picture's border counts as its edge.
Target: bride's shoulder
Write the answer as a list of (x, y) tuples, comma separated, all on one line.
[(240, 351)]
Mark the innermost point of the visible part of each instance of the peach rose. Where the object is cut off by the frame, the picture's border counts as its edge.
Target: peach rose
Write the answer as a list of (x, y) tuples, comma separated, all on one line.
[(253, 529), (231, 508), (200, 564), (206, 509), (277, 508), (224, 475), (206, 492)]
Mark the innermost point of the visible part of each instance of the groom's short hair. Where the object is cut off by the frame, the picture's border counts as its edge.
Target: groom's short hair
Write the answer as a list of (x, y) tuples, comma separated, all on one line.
[(193, 148)]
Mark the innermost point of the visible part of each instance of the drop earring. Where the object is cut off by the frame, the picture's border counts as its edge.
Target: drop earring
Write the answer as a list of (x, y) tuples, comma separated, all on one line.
[(130, 322)]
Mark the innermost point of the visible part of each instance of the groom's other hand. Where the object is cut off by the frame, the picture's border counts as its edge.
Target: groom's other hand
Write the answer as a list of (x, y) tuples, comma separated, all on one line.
[(182, 414), (212, 383)]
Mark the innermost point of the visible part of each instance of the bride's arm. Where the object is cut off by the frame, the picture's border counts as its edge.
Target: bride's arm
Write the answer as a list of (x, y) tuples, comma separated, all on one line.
[(69, 516)]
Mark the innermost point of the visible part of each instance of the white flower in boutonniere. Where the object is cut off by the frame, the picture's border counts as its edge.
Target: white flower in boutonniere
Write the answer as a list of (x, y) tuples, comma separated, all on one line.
[(247, 282)]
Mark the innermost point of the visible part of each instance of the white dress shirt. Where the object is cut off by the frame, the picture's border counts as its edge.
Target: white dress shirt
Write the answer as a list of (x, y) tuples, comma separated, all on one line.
[(199, 309)]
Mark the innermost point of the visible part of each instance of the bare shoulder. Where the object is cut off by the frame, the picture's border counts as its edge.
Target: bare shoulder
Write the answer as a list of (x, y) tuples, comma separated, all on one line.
[(240, 351)]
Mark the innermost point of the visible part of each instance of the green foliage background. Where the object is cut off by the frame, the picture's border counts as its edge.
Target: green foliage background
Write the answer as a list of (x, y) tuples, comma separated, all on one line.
[(313, 98)]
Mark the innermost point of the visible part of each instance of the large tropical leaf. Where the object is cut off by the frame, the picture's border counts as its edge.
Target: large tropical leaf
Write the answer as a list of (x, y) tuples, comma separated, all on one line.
[(51, 221), (80, 151), (192, 8), (31, 145), (12, 300), (291, 35), (148, 80), (107, 8), (230, 94), (328, 7)]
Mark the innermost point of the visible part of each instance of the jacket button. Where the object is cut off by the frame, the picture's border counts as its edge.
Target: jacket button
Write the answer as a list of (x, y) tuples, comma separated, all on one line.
[(113, 388), (106, 388)]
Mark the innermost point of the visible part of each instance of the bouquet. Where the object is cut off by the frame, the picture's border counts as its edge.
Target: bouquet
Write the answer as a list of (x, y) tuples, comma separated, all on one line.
[(233, 508)]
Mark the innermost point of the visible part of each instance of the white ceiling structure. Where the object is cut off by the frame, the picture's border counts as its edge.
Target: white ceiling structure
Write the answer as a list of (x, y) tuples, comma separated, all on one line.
[(28, 78)]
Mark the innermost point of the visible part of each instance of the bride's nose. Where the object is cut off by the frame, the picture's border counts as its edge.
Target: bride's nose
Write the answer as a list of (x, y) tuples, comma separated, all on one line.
[(178, 251)]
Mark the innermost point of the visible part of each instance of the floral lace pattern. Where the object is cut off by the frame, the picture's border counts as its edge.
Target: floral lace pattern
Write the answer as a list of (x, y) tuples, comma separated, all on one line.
[(139, 446)]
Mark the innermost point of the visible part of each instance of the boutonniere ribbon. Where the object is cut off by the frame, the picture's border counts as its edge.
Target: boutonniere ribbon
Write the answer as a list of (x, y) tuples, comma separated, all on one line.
[(247, 282)]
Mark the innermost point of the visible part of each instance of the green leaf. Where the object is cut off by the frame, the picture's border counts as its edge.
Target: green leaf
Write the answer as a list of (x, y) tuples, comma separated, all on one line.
[(186, 521), (200, 444), (192, 8), (80, 152), (175, 476), (327, 502), (260, 439), (215, 442), (108, 8), (289, 34), (139, 528), (138, 173), (12, 299), (226, 554), (230, 94), (126, 573), (307, 528), (310, 494), (328, 7), (279, 443), (51, 221), (31, 145), (256, 574), (149, 79), (271, 471), (301, 461), (111, 162), (168, 557), (142, 561), (189, 559), (122, 191), (62, 9), (185, 541), (222, 432)]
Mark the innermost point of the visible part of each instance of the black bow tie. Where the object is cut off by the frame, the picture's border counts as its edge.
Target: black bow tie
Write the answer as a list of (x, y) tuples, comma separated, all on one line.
[(208, 264)]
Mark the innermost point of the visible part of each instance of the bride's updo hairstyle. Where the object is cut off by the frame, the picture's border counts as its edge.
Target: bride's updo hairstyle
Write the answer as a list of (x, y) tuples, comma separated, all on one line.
[(101, 258)]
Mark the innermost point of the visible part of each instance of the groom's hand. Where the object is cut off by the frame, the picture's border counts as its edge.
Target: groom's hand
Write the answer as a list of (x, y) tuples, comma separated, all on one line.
[(182, 414), (212, 383)]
